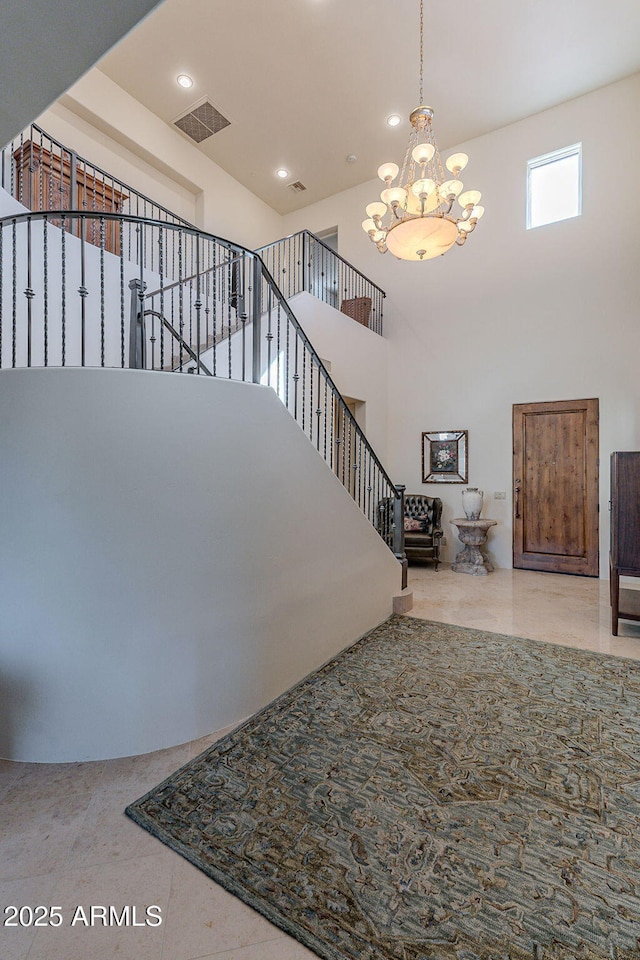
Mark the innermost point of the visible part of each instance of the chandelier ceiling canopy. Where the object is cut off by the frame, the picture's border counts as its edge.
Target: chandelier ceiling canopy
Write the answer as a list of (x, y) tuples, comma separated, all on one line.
[(422, 211)]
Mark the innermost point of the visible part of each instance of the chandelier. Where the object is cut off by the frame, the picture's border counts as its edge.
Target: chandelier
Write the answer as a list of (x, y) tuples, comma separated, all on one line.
[(416, 219)]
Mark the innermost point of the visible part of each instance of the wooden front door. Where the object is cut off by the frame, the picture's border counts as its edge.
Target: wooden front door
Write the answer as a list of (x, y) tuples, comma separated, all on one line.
[(555, 487)]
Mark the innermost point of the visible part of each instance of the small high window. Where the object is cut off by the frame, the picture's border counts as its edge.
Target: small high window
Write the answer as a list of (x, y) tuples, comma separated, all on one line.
[(554, 186)]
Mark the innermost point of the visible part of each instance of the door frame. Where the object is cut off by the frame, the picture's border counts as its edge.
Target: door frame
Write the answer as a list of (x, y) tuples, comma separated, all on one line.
[(589, 564)]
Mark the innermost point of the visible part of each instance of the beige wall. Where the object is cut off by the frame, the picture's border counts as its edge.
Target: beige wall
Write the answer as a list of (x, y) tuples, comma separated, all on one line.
[(514, 316)]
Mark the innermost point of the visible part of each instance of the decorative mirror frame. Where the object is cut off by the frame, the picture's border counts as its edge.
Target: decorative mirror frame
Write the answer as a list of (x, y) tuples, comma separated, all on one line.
[(444, 456)]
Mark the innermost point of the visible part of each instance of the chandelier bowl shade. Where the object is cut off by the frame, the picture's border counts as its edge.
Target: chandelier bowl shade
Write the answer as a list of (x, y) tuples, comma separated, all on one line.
[(421, 238)]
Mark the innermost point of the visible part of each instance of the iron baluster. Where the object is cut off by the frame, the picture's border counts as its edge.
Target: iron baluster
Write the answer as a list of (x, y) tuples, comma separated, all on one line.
[(45, 292), (40, 177), (339, 427), (269, 336), (304, 371), (343, 440), (15, 295), (122, 320), (207, 300), (228, 309), (305, 265), (102, 327), (332, 423), (161, 272), (190, 282), (215, 305), (319, 415), (29, 294), (348, 441), (63, 306), (180, 300), (73, 180), (82, 291), (287, 352), (257, 323), (325, 420), (281, 391), (141, 292), (296, 377), (152, 338)]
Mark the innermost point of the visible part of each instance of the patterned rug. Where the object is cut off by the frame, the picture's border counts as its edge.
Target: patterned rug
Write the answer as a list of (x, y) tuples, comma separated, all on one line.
[(432, 793)]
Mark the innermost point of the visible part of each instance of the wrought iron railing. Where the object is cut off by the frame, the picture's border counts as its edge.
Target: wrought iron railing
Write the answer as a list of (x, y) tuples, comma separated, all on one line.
[(304, 262), (173, 298), (43, 174)]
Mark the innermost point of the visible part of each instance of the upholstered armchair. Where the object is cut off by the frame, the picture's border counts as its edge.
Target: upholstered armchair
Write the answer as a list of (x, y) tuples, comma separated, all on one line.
[(422, 530)]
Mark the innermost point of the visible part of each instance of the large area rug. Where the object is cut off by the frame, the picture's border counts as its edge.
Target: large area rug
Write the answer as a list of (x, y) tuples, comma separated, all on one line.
[(432, 793)]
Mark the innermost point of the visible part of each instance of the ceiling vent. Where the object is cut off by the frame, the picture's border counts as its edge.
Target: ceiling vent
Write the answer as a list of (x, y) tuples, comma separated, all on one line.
[(297, 186), (202, 121)]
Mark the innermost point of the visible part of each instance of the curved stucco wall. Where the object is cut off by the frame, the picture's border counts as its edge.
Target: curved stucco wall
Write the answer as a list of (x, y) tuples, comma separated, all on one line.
[(174, 553)]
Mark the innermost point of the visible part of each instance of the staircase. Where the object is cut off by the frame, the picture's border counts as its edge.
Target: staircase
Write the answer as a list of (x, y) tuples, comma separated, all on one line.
[(97, 275)]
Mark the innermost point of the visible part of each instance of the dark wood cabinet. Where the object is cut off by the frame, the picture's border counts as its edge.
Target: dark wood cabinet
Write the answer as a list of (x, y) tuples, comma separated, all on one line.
[(44, 181), (624, 554)]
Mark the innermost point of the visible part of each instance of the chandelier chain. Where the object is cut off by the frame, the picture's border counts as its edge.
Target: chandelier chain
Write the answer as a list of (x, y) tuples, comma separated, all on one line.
[(415, 219), (421, 99)]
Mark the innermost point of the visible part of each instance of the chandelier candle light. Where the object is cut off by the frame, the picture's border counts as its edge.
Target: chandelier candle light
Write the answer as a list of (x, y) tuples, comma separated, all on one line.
[(416, 219)]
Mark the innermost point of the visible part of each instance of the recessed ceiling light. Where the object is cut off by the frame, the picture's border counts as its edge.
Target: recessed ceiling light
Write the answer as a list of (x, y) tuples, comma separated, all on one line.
[(394, 120), (184, 81), (282, 173)]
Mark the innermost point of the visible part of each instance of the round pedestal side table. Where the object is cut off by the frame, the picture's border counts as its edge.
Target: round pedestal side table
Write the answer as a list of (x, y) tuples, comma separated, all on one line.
[(473, 533)]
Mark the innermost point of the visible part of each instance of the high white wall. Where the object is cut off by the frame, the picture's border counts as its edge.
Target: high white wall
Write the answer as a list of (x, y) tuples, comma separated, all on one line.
[(174, 554), (515, 316), (103, 123)]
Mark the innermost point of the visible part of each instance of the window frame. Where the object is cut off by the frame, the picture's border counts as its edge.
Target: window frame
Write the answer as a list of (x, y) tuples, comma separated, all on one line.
[(544, 160)]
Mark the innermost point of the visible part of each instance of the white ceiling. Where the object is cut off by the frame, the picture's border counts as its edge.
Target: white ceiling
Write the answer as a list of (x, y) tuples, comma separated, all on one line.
[(306, 83)]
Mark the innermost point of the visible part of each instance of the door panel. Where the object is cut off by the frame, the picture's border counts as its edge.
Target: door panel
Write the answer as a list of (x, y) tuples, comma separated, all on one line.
[(555, 472)]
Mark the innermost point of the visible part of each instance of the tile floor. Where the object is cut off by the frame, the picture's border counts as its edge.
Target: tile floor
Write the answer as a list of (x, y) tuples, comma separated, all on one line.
[(65, 842)]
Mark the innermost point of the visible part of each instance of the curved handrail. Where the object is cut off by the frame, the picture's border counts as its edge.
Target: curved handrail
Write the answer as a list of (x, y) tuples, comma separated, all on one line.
[(125, 218)]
